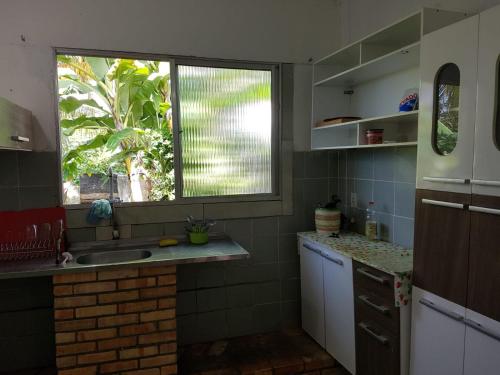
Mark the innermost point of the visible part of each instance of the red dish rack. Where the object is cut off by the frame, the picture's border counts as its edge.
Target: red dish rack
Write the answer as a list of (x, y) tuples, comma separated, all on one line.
[(31, 234)]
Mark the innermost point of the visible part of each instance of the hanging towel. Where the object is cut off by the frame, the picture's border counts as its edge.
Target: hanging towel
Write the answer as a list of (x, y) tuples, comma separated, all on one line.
[(100, 209)]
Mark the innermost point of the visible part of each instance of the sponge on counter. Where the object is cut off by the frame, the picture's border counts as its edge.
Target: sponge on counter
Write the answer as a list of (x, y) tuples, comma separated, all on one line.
[(168, 242)]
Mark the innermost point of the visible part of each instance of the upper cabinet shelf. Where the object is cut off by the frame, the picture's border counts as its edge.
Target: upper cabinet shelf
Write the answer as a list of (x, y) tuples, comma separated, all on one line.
[(368, 79)]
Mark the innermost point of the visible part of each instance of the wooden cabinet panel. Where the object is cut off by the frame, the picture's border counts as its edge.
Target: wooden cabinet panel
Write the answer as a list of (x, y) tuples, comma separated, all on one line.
[(484, 257), (378, 310), (441, 248), (378, 282)]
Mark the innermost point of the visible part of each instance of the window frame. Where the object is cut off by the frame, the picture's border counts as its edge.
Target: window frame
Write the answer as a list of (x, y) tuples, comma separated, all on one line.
[(276, 137)]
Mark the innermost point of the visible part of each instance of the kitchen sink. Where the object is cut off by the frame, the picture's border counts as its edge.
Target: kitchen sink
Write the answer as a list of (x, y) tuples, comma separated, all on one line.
[(117, 256)]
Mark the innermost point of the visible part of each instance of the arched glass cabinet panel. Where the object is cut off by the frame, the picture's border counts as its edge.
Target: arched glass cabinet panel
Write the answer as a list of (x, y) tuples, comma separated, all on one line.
[(446, 109)]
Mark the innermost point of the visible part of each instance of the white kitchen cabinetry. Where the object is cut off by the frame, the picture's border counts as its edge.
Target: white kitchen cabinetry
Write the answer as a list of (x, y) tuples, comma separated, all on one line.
[(15, 127), (486, 176), (437, 337), (339, 309), (448, 68), (311, 283)]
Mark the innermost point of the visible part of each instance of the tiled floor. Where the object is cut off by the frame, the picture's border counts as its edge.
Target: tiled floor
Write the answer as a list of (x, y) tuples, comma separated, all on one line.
[(279, 353)]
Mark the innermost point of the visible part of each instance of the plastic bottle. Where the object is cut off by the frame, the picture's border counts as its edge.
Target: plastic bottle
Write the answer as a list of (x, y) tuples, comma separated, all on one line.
[(371, 222)]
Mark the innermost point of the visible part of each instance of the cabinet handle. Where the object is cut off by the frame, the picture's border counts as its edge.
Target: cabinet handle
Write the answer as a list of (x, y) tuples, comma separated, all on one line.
[(334, 260), (380, 308), (18, 138), (484, 210), (486, 183), (364, 272), (441, 310), (443, 204), (381, 339), (447, 180), (313, 249), (480, 328)]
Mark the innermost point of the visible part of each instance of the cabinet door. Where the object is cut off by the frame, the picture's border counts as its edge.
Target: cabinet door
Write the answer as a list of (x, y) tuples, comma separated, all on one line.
[(339, 309), (440, 260), (447, 107), (438, 334), (486, 179), (482, 345), (15, 127), (311, 282), (484, 256)]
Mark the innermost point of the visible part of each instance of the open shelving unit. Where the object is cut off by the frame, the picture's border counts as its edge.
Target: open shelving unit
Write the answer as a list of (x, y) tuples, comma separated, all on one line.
[(368, 79)]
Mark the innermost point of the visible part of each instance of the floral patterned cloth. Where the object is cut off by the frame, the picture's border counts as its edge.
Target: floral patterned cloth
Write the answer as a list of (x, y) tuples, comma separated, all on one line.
[(384, 256)]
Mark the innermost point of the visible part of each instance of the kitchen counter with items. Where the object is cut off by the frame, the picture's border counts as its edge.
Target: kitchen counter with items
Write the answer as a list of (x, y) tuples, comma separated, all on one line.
[(383, 256), (217, 249)]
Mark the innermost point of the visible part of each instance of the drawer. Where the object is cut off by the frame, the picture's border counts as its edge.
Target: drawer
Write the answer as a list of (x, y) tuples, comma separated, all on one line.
[(379, 283), (377, 350), (373, 308)]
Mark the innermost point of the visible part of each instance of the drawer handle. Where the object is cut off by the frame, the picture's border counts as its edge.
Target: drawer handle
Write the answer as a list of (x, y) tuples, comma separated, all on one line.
[(381, 339), (443, 204), (313, 249), (380, 308), (447, 180), (334, 260), (485, 183), (18, 138), (484, 210), (480, 328), (380, 280), (441, 310)]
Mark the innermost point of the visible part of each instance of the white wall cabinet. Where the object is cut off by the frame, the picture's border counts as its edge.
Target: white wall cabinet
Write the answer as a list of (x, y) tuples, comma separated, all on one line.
[(339, 309), (16, 129), (311, 283), (442, 163)]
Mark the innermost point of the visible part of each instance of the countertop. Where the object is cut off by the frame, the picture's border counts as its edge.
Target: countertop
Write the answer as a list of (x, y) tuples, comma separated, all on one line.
[(384, 256), (217, 249)]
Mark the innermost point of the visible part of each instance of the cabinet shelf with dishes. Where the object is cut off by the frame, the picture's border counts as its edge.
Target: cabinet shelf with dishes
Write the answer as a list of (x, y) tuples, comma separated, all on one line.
[(366, 81)]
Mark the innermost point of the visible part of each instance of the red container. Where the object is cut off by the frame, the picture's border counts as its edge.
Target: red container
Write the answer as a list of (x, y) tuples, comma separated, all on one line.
[(374, 136)]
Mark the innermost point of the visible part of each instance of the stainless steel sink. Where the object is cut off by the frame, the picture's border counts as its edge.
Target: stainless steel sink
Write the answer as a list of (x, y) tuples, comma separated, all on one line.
[(117, 256)]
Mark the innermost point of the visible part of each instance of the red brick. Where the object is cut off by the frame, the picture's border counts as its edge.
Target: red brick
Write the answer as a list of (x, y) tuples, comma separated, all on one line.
[(98, 287), (151, 371), (74, 325), (116, 367), (66, 302), (122, 342), (145, 351), (137, 283), (137, 329), (167, 325), (118, 320), (166, 303), (71, 278), (132, 307), (158, 315), (169, 370), (90, 370), (64, 314), (130, 295), (86, 359), (63, 362), (160, 337), (97, 334), (165, 359), (164, 291), (63, 290), (83, 347), (167, 280), (125, 273), (171, 347), (87, 312), (153, 271), (66, 337)]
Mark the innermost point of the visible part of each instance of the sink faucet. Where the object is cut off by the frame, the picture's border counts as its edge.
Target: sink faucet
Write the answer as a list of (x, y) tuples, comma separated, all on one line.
[(116, 232)]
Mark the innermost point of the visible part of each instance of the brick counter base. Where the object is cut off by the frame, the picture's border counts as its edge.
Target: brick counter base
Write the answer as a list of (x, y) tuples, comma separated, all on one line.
[(116, 322)]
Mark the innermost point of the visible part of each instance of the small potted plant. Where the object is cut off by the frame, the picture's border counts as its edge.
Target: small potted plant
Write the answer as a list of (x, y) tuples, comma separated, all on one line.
[(198, 230)]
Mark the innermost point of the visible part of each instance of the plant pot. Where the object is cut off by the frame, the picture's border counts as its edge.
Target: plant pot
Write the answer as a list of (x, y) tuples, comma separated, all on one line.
[(198, 238)]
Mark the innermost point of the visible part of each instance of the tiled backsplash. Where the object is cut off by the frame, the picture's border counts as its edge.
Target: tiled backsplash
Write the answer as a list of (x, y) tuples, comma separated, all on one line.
[(385, 176)]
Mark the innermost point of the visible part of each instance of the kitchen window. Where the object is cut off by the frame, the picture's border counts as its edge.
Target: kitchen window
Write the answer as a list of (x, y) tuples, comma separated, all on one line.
[(141, 129)]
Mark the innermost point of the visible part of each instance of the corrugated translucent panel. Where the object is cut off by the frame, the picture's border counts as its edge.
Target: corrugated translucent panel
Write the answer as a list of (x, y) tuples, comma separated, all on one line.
[(226, 123)]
